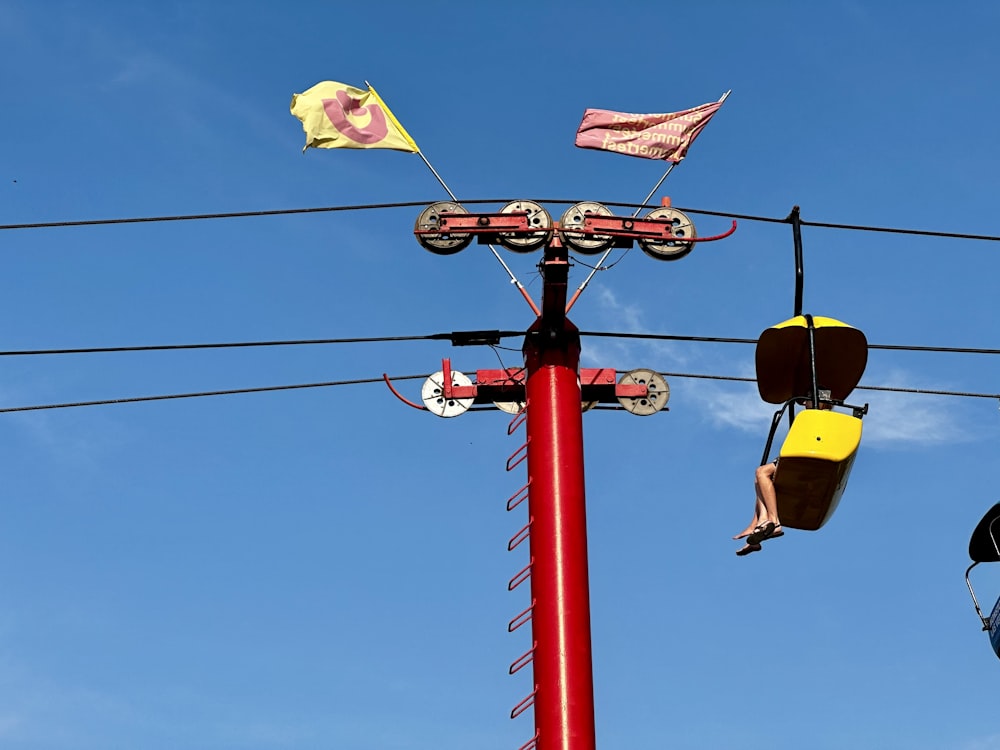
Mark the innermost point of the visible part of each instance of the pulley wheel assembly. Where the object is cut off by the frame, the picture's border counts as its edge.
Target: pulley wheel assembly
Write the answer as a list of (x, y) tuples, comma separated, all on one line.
[(658, 392), (444, 242), (539, 227), (680, 226), (432, 394), (572, 232), (511, 407)]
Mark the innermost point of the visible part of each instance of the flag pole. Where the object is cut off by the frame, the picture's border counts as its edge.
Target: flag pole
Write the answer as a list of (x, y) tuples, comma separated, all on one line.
[(513, 278), (599, 266)]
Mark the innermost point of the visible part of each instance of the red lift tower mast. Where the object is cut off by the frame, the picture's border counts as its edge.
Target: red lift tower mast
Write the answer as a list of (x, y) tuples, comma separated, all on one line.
[(560, 592), (546, 396)]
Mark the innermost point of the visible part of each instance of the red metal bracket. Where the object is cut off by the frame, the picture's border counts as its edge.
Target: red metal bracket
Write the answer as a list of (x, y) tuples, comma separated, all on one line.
[(451, 391), (597, 376), (642, 229), (516, 222), (631, 390), (491, 224), (597, 384)]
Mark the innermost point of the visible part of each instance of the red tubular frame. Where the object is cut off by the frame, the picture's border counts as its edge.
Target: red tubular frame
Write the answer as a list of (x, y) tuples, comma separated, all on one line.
[(560, 589)]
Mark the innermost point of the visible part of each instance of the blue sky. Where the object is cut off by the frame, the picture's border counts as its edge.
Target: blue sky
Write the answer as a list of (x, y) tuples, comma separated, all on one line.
[(327, 568)]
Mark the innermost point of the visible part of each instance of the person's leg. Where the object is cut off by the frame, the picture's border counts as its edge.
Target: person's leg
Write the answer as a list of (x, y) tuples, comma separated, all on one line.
[(769, 526), (759, 514), (752, 532), (766, 495)]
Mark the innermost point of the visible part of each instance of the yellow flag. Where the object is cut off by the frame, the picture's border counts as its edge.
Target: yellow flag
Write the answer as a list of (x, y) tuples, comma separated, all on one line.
[(335, 115)]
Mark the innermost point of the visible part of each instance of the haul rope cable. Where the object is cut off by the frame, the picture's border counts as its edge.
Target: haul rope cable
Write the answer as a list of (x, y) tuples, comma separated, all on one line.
[(411, 204), (454, 336), (364, 381)]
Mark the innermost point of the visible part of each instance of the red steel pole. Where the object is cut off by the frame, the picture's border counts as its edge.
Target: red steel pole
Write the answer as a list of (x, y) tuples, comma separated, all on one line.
[(560, 589)]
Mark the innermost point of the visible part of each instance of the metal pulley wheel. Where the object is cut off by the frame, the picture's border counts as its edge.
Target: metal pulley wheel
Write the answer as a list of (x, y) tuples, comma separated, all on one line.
[(511, 407), (432, 395), (680, 226), (585, 406), (658, 392), (444, 243), (539, 223), (516, 407), (572, 233)]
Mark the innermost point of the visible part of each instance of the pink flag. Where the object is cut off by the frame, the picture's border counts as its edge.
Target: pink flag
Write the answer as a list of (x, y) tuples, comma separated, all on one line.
[(667, 136)]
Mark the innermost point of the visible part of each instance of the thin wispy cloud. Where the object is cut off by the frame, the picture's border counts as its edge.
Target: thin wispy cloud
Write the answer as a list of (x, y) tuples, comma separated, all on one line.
[(734, 407), (43, 712), (8, 723), (62, 439), (273, 733), (991, 742), (894, 419), (142, 68), (627, 318), (897, 418), (184, 95)]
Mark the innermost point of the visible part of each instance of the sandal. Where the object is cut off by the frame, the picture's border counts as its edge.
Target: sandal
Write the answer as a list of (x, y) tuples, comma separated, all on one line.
[(764, 531)]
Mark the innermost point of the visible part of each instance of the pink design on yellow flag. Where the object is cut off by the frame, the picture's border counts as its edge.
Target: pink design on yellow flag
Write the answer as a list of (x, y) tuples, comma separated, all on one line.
[(335, 115), (665, 136)]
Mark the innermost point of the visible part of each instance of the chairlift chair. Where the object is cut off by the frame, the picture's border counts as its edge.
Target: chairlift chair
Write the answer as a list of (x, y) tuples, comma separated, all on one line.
[(984, 546), (819, 360)]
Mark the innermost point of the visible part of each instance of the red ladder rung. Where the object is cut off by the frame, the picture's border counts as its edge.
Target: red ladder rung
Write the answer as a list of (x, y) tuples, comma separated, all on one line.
[(530, 744), (520, 619), (523, 660), (518, 497), (520, 536), (518, 420), (524, 705), (520, 454), (521, 576)]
